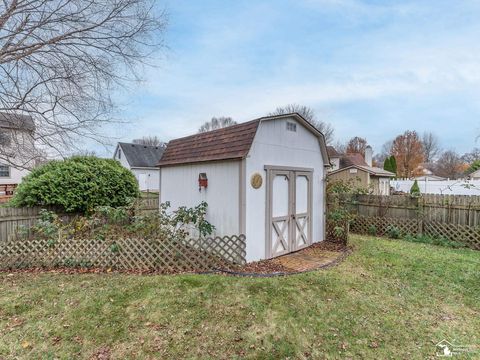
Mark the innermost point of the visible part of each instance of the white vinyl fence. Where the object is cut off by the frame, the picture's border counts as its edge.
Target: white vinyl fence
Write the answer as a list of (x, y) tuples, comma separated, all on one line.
[(443, 187)]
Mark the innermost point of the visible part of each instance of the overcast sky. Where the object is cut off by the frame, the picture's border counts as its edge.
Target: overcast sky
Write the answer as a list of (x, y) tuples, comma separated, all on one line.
[(370, 68)]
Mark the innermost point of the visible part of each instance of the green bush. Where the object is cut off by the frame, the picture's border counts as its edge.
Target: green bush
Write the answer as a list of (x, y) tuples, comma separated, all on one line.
[(78, 184), (109, 224), (473, 167), (393, 162), (415, 189), (393, 232), (390, 164), (372, 230)]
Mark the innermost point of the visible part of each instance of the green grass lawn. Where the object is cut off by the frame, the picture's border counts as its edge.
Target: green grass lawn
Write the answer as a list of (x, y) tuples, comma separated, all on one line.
[(389, 299)]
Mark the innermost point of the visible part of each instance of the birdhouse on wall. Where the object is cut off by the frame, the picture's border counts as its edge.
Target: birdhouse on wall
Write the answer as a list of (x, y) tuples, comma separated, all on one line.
[(202, 181)]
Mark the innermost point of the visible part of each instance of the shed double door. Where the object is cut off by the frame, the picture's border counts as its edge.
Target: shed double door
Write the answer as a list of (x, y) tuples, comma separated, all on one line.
[(289, 211)]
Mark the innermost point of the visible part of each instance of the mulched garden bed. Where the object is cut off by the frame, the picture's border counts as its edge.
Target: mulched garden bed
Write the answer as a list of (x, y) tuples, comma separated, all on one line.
[(275, 266)]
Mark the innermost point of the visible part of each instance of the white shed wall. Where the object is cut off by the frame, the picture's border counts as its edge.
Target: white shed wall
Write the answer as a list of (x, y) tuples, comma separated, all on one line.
[(274, 145), (179, 185), (151, 176)]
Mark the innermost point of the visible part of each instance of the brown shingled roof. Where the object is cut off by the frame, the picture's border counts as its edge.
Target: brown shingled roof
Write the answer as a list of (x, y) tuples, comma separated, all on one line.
[(332, 152), (232, 142), (352, 159)]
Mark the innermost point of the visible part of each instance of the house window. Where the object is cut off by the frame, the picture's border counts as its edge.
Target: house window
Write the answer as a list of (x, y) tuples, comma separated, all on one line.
[(4, 171), (291, 126), (119, 153)]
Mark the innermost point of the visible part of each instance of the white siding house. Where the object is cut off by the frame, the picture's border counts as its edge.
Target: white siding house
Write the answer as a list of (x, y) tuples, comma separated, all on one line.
[(142, 161), (335, 157), (266, 180), (16, 140)]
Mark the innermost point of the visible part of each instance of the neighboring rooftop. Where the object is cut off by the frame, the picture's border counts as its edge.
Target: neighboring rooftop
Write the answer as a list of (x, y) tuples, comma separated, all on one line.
[(139, 155), (352, 159), (16, 121), (377, 171), (370, 169), (332, 152), (356, 160)]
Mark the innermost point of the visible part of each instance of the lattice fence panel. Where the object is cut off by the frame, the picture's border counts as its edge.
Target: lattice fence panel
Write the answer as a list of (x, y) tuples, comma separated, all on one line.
[(467, 235), (337, 232), (125, 254), (228, 248), (380, 225)]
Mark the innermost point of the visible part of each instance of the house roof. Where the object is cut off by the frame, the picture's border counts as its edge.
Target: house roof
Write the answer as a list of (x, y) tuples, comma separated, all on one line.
[(375, 171), (332, 152), (352, 159), (228, 143), (16, 121), (429, 177), (232, 142), (139, 155)]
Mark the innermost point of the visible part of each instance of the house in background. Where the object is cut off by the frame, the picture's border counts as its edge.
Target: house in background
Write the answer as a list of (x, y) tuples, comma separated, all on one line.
[(18, 146), (359, 169), (474, 175), (142, 161), (264, 179), (335, 157)]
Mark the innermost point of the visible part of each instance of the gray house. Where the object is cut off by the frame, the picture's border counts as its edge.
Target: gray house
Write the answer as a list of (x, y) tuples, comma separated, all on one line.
[(142, 161)]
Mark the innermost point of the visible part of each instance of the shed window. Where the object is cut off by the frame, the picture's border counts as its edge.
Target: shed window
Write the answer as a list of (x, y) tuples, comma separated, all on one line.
[(291, 126), (4, 171)]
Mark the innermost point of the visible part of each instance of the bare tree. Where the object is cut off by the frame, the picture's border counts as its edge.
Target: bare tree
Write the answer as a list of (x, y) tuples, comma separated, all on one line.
[(471, 156), (308, 114), (380, 157), (449, 165), (150, 140), (61, 59), (356, 145), (85, 152), (217, 123), (431, 146), (341, 147)]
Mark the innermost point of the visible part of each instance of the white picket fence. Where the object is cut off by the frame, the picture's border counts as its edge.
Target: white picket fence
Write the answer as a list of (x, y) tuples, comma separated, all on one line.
[(443, 187)]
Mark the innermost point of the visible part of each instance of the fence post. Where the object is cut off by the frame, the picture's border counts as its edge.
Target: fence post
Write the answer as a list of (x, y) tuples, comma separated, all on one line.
[(420, 214)]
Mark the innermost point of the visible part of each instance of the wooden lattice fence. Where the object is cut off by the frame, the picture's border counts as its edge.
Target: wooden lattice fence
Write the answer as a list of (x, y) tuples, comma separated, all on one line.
[(337, 232), (456, 218), (381, 225), (200, 254), (464, 234)]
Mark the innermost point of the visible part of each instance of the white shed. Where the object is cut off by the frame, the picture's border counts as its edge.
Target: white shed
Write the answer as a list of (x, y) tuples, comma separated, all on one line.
[(265, 179), (142, 161)]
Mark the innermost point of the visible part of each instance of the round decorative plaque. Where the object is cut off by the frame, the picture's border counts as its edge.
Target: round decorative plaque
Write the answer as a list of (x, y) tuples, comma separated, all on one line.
[(256, 180)]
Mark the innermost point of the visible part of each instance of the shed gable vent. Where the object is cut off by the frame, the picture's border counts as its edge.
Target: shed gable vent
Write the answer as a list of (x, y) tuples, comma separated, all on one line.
[(291, 126)]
